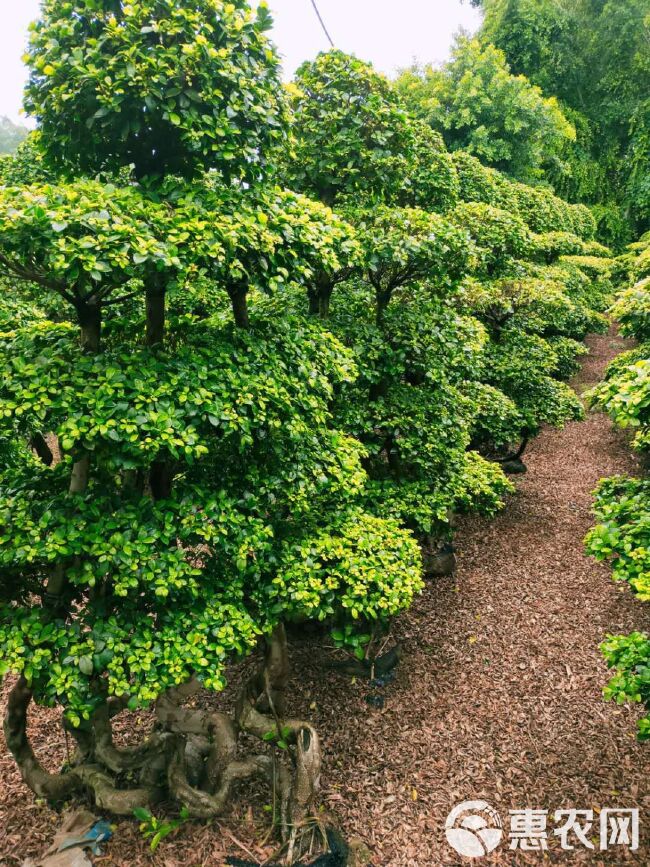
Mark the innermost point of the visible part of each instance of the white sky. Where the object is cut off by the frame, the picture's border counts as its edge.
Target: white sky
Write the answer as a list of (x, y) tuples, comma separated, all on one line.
[(390, 34)]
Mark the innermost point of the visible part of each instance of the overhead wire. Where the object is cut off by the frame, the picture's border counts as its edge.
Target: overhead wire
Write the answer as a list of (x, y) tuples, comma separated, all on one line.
[(322, 23)]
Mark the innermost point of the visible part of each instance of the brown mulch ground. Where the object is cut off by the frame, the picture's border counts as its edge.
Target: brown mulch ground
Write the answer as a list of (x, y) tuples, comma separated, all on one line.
[(498, 695)]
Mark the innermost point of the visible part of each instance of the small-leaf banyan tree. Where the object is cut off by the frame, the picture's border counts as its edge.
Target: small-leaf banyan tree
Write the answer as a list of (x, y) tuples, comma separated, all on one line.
[(477, 311), (175, 485), (354, 146)]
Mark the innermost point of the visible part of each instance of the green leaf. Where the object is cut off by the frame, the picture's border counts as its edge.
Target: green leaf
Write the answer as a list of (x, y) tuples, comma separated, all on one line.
[(86, 665)]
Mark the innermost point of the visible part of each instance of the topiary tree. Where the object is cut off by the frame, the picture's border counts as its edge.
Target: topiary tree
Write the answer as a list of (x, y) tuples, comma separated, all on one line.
[(351, 134), (403, 246), (414, 352), (197, 457), (170, 88)]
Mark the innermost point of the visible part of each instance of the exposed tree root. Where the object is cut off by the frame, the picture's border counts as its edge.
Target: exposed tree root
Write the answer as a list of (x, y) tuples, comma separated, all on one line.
[(192, 755), (53, 787), (121, 802), (201, 804)]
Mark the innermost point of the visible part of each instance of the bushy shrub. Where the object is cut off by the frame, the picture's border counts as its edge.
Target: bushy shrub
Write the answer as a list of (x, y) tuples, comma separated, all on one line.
[(500, 237), (632, 310), (629, 656), (622, 531)]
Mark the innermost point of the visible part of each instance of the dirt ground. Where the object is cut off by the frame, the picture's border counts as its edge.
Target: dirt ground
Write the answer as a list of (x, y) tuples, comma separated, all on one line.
[(498, 696)]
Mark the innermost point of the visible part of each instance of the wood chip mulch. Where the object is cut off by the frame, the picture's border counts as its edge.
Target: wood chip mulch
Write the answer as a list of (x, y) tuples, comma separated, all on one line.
[(498, 696)]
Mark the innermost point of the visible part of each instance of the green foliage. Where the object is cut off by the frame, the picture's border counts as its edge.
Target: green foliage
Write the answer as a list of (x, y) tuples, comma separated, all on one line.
[(480, 107), (500, 237), (625, 391), (336, 151), (622, 533), (156, 830), (534, 304), (170, 88), (538, 207), (593, 266), (432, 183), (405, 407), (629, 655), (25, 165), (625, 396), (496, 421), (479, 183), (523, 366), (483, 486), (613, 225), (404, 245), (225, 461), (361, 567), (622, 505), (238, 413), (84, 236), (550, 246), (353, 142), (632, 311), (594, 58), (569, 353)]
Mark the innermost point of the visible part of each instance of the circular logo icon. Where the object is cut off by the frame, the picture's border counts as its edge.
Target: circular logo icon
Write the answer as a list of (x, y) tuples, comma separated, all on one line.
[(474, 829)]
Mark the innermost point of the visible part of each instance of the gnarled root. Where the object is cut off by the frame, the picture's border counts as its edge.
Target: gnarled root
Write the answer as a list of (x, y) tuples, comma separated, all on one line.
[(121, 802), (121, 760), (53, 787), (60, 787), (200, 803), (191, 755), (258, 714)]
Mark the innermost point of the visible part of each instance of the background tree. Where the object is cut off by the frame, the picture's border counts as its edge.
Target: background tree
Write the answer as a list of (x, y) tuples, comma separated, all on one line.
[(11, 135), (480, 106), (593, 56)]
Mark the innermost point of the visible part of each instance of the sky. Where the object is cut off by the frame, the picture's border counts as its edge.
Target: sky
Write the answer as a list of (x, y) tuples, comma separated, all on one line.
[(388, 33)]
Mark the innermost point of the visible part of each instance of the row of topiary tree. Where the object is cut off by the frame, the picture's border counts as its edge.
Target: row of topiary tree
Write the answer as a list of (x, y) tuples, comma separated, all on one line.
[(258, 348), (622, 506)]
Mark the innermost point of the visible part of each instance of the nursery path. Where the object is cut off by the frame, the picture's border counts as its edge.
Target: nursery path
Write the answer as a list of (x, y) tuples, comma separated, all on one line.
[(498, 695)]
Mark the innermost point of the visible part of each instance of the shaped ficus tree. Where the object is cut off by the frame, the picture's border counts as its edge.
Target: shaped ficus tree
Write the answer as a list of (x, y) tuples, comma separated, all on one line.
[(407, 407), (168, 87), (391, 178), (175, 487), (352, 135)]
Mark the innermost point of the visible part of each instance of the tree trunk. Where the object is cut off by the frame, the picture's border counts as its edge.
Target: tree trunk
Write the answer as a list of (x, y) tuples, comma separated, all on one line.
[(239, 304), (80, 475), (42, 449), (320, 295), (155, 295), (53, 787), (90, 322), (161, 476), (382, 301), (314, 303)]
